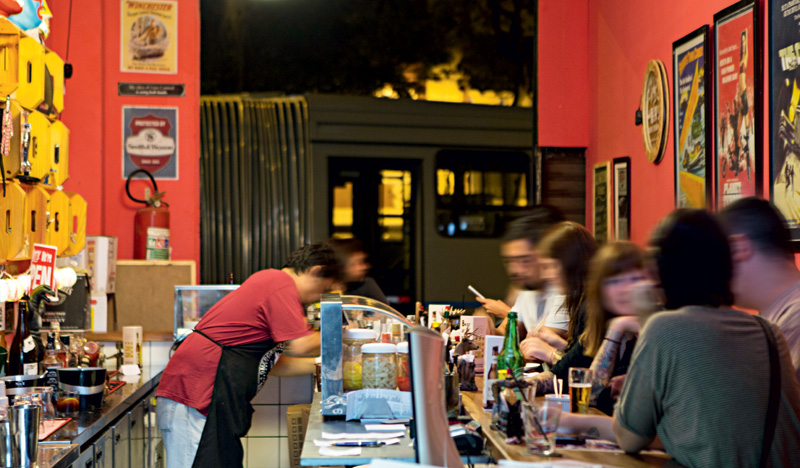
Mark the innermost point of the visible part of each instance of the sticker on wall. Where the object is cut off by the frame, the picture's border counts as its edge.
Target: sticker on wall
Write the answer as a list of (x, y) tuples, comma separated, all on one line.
[(150, 141), (149, 42)]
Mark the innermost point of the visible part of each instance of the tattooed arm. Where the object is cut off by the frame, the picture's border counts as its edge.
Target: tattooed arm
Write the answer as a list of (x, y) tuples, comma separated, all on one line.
[(589, 425), (603, 363)]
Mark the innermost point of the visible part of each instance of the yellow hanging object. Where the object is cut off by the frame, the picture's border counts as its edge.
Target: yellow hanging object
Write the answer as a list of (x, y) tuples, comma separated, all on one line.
[(58, 224), (54, 98), (30, 92), (34, 220), (40, 154), (76, 224), (9, 57), (12, 209), (59, 155)]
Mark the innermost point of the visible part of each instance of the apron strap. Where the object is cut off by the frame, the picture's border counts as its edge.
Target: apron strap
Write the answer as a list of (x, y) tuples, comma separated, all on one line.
[(209, 338)]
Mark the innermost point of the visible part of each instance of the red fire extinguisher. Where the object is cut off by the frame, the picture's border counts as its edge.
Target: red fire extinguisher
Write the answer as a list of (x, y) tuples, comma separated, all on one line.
[(151, 224)]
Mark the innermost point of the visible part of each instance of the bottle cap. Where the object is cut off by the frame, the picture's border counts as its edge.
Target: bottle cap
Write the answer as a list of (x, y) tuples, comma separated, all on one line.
[(378, 348), (402, 347), (359, 334)]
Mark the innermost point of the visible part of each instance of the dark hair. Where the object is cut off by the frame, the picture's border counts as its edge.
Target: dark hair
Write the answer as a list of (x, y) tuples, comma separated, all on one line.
[(573, 246), (311, 255), (762, 223), (532, 225), (610, 260), (693, 260)]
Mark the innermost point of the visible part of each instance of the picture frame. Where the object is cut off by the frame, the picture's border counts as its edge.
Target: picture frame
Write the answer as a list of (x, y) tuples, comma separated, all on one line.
[(784, 154), (622, 198), (738, 103), (691, 69), (601, 202)]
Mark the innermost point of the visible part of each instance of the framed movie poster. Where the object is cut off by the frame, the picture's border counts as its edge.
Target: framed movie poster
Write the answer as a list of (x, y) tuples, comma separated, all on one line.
[(784, 97), (622, 198), (737, 103), (691, 69), (601, 202)]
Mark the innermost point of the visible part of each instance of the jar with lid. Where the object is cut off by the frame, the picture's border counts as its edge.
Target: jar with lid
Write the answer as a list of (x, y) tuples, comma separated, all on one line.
[(352, 341), (403, 371), (379, 365)]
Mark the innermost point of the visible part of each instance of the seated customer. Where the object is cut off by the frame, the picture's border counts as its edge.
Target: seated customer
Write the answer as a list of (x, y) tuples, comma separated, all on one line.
[(700, 375), (611, 325), (565, 252), (352, 260)]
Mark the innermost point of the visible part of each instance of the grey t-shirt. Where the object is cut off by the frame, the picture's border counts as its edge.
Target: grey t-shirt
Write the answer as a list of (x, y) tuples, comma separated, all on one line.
[(785, 313), (699, 379)]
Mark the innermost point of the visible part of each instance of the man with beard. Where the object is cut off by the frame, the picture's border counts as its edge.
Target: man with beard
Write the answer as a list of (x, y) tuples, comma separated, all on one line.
[(520, 257)]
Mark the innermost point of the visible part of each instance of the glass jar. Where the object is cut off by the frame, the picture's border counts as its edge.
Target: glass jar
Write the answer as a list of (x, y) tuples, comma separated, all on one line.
[(352, 341), (403, 370), (379, 365)]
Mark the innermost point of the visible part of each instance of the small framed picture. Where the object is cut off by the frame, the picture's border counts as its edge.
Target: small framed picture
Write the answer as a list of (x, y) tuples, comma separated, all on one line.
[(691, 67), (601, 202), (737, 103), (622, 198)]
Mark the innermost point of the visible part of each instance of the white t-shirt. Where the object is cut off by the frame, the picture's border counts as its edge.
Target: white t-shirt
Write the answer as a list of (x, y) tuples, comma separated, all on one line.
[(527, 308)]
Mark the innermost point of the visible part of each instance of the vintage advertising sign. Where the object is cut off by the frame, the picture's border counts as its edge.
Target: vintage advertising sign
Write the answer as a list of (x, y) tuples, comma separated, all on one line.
[(692, 132), (149, 42), (736, 109), (150, 141), (43, 265), (784, 60)]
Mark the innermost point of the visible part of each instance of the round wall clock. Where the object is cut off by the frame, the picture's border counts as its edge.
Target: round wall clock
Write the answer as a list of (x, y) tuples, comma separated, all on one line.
[(655, 110)]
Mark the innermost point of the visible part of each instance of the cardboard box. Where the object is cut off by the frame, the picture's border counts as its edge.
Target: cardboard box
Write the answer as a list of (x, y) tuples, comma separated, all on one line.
[(296, 424), (102, 263), (146, 292), (100, 313), (478, 326)]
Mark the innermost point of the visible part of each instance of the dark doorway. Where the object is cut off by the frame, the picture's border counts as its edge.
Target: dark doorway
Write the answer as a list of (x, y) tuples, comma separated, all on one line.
[(375, 200)]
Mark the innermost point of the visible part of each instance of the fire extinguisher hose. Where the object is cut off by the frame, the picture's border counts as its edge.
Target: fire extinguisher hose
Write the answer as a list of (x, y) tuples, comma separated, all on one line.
[(153, 180)]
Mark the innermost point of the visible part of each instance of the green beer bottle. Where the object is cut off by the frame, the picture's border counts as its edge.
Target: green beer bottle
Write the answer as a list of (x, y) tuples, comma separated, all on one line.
[(510, 358)]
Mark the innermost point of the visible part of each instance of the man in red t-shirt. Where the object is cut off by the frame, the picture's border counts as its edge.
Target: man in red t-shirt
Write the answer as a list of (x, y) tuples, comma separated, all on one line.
[(205, 391)]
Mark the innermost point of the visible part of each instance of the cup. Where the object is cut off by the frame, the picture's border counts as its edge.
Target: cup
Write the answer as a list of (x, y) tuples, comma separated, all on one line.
[(25, 430), (580, 389), (541, 423), (8, 446), (562, 400), (68, 403)]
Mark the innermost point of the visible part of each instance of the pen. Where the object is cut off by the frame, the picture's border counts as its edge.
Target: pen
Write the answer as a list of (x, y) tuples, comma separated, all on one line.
[(371, 443)]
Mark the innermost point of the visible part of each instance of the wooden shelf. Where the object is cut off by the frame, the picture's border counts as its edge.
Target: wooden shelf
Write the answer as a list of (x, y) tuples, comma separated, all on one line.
[(117, 336)]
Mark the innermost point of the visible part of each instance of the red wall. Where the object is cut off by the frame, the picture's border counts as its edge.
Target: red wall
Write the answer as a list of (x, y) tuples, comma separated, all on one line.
[(563, 51), (93, 113)]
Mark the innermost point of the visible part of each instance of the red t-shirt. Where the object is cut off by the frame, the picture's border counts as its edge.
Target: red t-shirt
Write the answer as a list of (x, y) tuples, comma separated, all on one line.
[(266, 307)]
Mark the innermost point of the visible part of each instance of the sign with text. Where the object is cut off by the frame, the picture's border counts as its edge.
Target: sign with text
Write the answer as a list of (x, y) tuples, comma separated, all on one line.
[(150, 141), (43, 265), (149, 42)]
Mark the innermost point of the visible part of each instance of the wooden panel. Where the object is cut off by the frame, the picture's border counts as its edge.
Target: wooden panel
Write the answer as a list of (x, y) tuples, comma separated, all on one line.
[(145, 292), (564, 181)]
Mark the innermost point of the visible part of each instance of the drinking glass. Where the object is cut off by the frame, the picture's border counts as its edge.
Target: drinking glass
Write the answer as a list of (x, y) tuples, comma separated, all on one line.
[(541, 423), (68, 403), (580, 389)]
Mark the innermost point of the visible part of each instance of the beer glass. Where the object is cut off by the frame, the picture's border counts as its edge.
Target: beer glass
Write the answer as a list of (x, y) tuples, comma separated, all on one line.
[(580, 389), (541, 423)]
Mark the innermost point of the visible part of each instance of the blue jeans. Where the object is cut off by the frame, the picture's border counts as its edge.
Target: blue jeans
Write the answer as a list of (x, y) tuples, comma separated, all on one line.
[(181, 427)]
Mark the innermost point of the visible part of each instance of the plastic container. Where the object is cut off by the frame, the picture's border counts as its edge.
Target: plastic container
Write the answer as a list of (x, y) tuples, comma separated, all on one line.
[(352, 341), (403, 365), (379, 365)]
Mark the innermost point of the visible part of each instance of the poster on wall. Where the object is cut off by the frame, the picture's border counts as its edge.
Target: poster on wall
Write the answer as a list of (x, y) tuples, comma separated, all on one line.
[(149, 42), (601, 203), (737, 104), (690, 66), (622, 198), (150, 141), (784, 88)]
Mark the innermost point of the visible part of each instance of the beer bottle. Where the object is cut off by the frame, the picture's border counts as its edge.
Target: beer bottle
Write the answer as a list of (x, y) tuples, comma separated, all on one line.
[(510, 358)]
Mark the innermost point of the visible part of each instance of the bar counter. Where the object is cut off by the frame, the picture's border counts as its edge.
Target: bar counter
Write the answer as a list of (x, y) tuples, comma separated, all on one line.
[(78, 435)]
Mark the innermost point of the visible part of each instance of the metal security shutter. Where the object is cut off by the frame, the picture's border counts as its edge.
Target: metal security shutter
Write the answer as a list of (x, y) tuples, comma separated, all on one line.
[(255, 188)]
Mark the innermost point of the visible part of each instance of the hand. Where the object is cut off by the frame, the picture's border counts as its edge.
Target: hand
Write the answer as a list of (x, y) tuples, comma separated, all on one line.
[(550, 337), (616, 386), (625, 324), (534, 349), (495, 307)]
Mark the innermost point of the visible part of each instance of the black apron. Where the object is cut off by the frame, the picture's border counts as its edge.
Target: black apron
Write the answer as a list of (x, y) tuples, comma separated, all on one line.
[(230, 413)]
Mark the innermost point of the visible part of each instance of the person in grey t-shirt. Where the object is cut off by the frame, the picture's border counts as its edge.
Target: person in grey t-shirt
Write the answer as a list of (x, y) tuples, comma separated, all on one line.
[(765, 275), (699, 378)]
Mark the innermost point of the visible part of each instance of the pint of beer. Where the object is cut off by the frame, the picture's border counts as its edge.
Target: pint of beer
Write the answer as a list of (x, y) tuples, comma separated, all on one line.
[(580, 389)]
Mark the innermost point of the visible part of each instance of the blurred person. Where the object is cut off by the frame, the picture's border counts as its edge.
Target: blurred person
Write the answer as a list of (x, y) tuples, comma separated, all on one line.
[(699, 380), (204, 395), (520, 256), (607, 343), (765, 275), (354, 265), (565, 252)]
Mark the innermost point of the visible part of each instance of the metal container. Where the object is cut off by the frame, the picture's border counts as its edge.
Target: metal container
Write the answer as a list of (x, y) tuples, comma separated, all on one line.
[(25, 430)]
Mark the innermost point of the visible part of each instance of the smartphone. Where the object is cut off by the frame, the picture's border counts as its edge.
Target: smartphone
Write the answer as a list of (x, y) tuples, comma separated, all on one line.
[(475, 292), (570, 440)]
